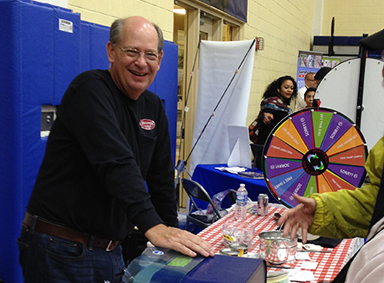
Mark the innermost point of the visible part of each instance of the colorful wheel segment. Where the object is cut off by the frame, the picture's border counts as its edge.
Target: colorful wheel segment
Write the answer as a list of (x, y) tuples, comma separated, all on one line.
[(313, 151)]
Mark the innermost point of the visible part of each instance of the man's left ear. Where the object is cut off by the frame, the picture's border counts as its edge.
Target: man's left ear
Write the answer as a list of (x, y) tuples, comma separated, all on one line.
[(161, 55), (110, 52)]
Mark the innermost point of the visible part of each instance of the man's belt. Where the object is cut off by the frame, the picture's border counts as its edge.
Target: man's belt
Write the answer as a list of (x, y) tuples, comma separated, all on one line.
[(60, 231)]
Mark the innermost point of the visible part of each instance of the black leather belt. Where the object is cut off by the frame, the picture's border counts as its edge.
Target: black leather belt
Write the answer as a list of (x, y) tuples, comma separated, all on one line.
[(60, 231)]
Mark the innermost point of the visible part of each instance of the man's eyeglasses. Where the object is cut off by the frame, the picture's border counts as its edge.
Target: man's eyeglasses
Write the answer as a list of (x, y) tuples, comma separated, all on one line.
[(150, 56)]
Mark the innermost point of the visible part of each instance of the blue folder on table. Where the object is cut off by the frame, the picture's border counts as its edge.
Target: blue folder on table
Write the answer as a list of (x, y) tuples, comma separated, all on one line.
[(174, 267), (223, 268)]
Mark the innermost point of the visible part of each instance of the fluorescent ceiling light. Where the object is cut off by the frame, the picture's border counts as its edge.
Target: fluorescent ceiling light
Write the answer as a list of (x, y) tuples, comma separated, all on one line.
[(179, 11)]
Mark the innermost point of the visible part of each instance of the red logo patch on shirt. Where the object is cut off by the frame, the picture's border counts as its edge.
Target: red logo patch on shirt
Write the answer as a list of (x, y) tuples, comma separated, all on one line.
[(147, 124)]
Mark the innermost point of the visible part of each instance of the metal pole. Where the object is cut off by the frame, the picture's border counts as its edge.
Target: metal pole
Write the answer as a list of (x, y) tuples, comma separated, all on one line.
[(359, 107)]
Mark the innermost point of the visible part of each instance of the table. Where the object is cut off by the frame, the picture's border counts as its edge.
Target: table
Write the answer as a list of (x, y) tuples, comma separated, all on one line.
[(329, 264), (215, 181)]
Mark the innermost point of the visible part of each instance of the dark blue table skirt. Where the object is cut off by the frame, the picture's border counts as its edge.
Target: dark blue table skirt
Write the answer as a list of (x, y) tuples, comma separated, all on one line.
[(215, 181)]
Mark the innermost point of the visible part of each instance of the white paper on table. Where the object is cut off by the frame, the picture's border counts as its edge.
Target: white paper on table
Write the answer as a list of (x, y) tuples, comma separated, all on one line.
[(309, 265), (300, 275), (313, 247), (233, 170)]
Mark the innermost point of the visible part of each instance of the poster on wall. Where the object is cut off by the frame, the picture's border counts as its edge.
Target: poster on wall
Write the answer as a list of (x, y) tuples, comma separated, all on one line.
[(330, 61), (308, 61), (311, 61)]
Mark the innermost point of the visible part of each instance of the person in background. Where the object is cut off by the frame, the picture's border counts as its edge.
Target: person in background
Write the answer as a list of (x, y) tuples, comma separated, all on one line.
[(298, 102), (273, 108), (309, 95), (109, 141), (320, 74)]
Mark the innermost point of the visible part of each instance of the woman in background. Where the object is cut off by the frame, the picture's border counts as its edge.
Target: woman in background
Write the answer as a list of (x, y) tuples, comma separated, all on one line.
[(273, 108)]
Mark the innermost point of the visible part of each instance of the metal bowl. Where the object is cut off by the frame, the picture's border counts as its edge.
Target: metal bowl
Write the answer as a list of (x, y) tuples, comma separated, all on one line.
[(242, 248), (229, 251), (277, 249)]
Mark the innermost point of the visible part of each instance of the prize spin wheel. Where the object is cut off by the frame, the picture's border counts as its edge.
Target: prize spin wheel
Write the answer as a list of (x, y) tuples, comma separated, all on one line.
[(313, 151)]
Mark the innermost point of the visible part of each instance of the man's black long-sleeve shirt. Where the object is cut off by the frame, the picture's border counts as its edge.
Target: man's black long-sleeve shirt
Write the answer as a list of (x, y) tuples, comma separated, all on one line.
[(102, 148)]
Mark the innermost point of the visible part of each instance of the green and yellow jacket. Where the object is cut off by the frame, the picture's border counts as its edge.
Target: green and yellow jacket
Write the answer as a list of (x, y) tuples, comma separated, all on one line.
[(346, 213)]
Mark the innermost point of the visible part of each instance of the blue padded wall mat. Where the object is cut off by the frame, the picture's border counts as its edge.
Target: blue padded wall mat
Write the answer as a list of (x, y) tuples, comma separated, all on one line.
[(93, 53), (66, 50), (85, 58), (166, 90), (29, 44), (40, 61), (35, 33), (37, 80), (99, 36)]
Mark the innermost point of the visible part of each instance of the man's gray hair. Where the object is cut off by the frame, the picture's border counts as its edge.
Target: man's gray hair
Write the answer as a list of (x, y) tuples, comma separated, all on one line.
[(117, 29)]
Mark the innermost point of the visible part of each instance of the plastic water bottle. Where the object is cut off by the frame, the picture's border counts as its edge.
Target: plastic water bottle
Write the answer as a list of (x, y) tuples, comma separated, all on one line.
[(241, 203), (127, 277)]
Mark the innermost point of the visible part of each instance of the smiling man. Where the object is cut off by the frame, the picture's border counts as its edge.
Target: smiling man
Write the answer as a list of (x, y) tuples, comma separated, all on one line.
[(135, 53), (109, 139)]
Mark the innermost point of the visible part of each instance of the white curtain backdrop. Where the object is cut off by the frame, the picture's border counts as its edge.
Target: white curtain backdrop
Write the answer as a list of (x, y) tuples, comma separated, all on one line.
[(218, 64)]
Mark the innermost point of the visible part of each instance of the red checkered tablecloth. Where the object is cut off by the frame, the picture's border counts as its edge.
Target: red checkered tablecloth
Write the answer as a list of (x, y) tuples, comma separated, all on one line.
[(329, 264)]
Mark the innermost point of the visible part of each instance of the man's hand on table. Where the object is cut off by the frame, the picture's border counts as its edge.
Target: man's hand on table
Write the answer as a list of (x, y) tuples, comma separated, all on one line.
[(300, 216), (178, 240)]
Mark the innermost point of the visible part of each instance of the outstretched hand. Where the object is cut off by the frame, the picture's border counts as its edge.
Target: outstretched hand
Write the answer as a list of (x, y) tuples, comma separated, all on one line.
[(178, 240), (300, 216)]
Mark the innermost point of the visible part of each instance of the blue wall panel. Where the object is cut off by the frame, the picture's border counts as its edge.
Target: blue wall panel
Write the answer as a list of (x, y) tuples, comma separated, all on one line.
[(37, 81), (66, 51), (37, 53), (99, 36), (10, 76), (85, 59), (165, 86), (40, 61)]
